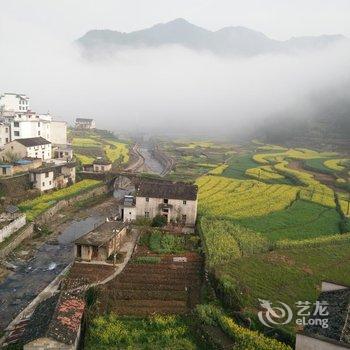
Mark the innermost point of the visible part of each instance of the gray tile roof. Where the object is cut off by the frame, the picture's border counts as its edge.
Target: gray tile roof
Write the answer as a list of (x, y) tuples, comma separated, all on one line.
[(155, 188), (33, 141), (101, 234), (58, 318), (338, 318)]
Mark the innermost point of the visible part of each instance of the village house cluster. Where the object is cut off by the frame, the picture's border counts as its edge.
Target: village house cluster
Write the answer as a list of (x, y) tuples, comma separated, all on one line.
[(34, 143)]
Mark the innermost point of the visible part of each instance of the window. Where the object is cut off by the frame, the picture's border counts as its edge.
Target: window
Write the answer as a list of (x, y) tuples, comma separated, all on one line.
[(146, 214), (47, 174), (183, 218), (165, 210), (165, 201), (16, 124), (43, 183), (39, 124), (6, 130), (7, 139), (4, 171), (184, 202), (38, 133), (16, 133), (50, 183), (147, 199)]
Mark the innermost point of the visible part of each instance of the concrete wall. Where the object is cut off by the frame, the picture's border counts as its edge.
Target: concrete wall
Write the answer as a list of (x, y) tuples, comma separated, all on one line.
[(14, 148), (129, 214), (304, 342), (12, 227), (104, 251), (176, 210), (4, 134), (43, 181), (42, 151), (58, 132), (331, 286), (25, 232)]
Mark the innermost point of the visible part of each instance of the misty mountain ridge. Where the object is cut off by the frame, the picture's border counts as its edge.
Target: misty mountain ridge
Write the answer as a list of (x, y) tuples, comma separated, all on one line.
[(239, 41)]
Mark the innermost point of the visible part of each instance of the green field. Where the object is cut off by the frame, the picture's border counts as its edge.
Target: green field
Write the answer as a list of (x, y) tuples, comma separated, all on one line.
[(269, 239), (35, 207), (157, 333)]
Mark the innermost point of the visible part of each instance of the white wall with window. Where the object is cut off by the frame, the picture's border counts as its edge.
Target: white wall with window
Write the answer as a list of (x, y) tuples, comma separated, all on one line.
[(43, 181)]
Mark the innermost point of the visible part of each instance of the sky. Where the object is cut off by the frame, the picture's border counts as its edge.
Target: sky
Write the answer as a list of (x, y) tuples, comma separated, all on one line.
[(280, 19), (170, 86)]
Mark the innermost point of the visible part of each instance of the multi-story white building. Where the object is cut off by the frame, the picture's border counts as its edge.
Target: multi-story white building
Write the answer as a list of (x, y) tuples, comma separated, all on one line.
[(35, 147), (14, 102), (21, 122), (29, 125)]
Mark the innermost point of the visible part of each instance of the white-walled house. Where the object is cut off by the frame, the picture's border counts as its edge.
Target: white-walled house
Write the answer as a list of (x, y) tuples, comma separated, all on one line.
[(53, 176), (14, 102), (85, 123), (176, 201), (35, 147)]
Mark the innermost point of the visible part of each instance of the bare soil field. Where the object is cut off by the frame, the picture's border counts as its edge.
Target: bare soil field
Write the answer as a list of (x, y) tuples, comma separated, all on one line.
[(166, 287)]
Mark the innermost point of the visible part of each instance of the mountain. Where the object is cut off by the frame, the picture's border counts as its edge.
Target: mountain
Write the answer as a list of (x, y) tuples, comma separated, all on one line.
[(227, 41)]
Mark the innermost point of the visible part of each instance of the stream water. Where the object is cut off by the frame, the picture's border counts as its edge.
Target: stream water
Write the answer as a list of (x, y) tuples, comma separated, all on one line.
[(32, 276), (151, 163)]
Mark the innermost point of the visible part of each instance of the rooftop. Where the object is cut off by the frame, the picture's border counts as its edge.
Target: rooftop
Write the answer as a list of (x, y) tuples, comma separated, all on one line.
[(156, 188), (33, 141), (85, 120), (102, 162), (101, 234), (338, 319), (58, 318), (52, 167)]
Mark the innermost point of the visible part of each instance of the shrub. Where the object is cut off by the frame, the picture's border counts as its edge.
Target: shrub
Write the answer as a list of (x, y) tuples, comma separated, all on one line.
[(159, 221), (165, 243), (243, 338)]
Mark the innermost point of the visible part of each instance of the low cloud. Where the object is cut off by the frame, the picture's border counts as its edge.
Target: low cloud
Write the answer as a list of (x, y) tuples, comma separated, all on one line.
[(169, 88)]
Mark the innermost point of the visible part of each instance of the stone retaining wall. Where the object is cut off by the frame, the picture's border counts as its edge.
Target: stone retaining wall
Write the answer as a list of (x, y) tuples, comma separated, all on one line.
[(12, 227), (20, 236)]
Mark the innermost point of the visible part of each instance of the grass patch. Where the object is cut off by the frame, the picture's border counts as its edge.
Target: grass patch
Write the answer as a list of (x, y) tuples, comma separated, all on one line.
[(37, 206), (238, 165)]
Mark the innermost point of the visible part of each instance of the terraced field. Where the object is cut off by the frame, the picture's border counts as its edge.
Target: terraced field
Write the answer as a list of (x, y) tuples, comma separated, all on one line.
[(166, 287), (89, 145), (268, 224)]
